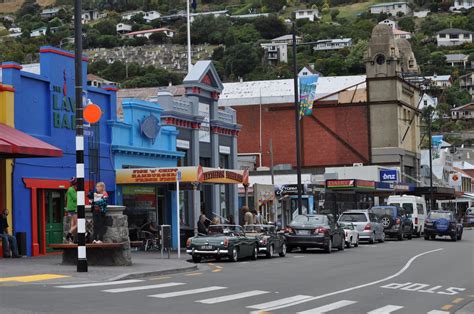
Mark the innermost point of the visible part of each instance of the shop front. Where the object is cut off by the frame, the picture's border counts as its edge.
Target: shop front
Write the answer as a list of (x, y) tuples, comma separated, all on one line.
[(44, 107), (151, 195), (342, 195)]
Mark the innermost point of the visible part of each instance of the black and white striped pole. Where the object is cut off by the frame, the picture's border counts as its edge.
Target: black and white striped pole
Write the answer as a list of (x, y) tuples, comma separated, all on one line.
[(81, 213)]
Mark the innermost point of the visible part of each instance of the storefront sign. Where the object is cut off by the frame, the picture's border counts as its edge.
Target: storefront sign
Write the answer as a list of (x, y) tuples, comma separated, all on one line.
[(182, 144), (340, 184), (223, 176), (400, 187), (289, 189), (388, 175), (383, 186), (364, 184), (64, 109), (224, 150)]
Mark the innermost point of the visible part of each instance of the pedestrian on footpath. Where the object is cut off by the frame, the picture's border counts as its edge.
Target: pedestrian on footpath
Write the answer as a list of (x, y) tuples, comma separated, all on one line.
[(99, 200), (71, 209), (248, 216), (8, 241)]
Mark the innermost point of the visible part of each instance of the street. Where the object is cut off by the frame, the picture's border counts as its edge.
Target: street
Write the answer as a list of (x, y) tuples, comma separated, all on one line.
[(414, 276)]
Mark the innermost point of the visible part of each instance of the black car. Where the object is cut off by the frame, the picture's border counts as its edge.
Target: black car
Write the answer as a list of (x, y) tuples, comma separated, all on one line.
[(442, 223), (314, 231), (270, 242), (395, 221)]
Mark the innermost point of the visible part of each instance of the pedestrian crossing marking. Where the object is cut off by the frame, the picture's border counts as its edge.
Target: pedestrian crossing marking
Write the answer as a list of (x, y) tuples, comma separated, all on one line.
[(139, 288), (216, 270), (328, 307), (233, 297), (32, 278), (100, 284), (193, 274), (447, 307), (186, 292), (386, 309), (457, 300), (279, 302), (437, 312)]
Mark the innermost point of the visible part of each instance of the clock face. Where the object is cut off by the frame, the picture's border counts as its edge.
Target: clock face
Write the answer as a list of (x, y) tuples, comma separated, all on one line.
[(380, 59)]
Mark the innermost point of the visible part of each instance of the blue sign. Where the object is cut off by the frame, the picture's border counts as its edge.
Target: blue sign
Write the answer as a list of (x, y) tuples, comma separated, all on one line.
[(179, 176), (388, 175)]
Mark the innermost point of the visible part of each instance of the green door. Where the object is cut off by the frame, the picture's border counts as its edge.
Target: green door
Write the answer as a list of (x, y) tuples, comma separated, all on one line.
[(54, 216)]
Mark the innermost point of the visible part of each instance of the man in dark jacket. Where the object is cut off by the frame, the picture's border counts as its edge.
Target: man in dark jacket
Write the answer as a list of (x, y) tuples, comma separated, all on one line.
[(201, 225), (8, 242)]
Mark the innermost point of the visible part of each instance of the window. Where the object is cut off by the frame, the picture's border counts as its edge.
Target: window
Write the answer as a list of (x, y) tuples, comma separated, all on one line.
[(421, 210), (442, 35), (408, 207), (353, 217)]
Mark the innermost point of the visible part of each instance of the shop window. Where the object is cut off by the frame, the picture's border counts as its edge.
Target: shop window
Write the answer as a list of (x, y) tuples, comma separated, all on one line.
[(141, 204)]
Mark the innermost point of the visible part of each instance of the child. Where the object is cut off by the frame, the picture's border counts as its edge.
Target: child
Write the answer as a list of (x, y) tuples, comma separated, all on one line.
[(99, 211)]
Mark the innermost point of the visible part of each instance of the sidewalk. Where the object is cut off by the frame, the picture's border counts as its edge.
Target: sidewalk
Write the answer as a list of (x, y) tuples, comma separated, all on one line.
[(145, 264)]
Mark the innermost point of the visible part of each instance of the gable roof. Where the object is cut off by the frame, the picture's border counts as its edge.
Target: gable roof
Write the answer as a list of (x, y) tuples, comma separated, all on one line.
[(199, 72), (456, 57), (453, 31), (465, 107)]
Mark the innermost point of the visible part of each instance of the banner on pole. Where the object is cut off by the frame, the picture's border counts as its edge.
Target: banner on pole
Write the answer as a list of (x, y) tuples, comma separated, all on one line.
[(307, 92)]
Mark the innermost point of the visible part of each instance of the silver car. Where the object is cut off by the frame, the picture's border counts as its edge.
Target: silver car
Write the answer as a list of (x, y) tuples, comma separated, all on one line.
[(368, 225)]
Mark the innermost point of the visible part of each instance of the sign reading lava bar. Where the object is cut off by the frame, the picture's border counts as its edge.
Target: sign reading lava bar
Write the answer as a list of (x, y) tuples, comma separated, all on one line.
[(189, 175)]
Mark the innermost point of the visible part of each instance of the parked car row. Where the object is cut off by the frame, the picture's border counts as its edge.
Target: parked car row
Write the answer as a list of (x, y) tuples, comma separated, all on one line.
[(324, 232)]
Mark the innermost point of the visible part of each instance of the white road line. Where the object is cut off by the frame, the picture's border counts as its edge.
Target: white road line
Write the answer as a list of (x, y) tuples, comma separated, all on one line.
[(280, 302), (386, 309), (437, 312), (163, 285), (100, 284), (233, 297), (401, 271), (329, 307), (186, 292)]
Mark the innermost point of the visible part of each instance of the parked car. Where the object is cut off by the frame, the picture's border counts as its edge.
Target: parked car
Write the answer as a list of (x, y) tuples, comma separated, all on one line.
[(414, 206), (395, 221), (351, 234), (223, 241), (314, 231), (469, 217), (269, 241), (368, 225), (442, 223)]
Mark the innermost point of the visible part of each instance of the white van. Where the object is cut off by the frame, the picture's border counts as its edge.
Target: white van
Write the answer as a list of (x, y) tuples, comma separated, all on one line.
[(414, 206)]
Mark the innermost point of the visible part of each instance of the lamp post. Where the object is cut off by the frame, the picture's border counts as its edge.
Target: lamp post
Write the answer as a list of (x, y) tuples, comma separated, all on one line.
[(431, 159), (298, 126), (81, 217)]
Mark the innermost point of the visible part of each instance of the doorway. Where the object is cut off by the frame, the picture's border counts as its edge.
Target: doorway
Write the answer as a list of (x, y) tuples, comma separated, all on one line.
[(54, 205)]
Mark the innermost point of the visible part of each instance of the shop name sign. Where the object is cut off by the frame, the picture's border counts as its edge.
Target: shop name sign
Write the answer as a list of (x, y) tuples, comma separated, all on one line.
[(64, 109), (388, 175), (335, 184), (154, 175), (221, 176)]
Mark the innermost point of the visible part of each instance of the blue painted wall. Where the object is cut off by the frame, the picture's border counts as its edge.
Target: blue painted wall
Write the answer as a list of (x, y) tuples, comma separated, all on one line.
[(43, 105)]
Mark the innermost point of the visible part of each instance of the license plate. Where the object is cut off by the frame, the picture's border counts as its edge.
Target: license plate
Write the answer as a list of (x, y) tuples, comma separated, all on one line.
[(206, 247), (303, 232)]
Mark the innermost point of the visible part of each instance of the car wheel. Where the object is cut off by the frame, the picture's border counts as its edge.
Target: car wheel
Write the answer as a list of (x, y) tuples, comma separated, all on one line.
[(290, 248), (218, 258), (303, 249), (357, 242), (433, 236), (255, 253), (342, 245), (387, 221), (427, 237), (454, 237), (400, 237), (460, 236), (283, 250), (372, 239), (349, 243), (382, 239), (270, 251), (328, 248), (234, 255), (410, 235), (197, 258)]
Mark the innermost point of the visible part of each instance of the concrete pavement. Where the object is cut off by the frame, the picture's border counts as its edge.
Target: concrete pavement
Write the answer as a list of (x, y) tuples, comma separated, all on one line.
[(413, 277)]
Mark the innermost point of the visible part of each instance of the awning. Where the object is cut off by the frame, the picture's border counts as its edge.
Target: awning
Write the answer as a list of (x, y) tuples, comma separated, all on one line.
[(188, 175), (16, 144)]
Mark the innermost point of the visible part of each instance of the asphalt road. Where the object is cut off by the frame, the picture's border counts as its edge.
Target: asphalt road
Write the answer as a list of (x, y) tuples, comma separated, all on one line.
[(412, 277)]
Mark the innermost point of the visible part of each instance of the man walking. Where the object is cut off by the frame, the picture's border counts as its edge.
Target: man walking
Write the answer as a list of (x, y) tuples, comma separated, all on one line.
[(8, 241)]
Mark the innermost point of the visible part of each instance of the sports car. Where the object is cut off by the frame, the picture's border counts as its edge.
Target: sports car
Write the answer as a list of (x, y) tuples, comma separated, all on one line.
[(269, 241)]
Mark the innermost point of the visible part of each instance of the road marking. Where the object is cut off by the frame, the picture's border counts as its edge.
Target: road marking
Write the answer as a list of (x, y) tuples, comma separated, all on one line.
[(233, 297), (160, 278), (328, 307), (401, 271), (186, 292), (32, 278), (298, 256), (99, 284), (386, 309), (437, 312), (194, 274), (280, 302), (446, 307), (457, 300), (216, 270), (163, 285), (220, 267)]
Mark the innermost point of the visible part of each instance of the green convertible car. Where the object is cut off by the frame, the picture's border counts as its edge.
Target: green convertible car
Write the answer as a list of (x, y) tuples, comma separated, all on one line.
[(223, 241)]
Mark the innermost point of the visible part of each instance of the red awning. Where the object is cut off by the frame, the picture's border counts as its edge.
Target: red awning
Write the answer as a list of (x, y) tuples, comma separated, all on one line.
[(16, 144)]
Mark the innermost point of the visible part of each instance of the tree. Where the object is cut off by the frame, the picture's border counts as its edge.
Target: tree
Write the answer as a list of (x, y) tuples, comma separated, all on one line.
[(407, 24), (334, 14), (270, 27), (274, 5), (106, 27), (240, 59)]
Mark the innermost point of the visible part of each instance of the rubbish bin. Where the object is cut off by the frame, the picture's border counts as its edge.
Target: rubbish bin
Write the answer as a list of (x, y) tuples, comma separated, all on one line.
[(21, 241)]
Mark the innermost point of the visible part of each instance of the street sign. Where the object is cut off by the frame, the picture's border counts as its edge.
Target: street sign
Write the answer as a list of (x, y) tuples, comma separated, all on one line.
[(179, 176)]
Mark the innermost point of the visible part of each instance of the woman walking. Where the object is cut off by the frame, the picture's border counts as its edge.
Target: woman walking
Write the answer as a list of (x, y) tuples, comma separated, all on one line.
[(99, 210)]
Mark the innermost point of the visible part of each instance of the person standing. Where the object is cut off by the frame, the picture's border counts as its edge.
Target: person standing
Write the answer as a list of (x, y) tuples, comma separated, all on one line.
[(71, 209), (8, 241), (99, 210), (248, 216)]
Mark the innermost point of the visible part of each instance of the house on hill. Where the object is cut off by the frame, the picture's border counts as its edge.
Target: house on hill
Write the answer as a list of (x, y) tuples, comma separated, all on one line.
[(453, 37)]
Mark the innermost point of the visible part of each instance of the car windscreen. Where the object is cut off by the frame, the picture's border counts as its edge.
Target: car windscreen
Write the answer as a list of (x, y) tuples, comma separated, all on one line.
[(353, 217), (408, 207), (438, 215), (230, 230), (315, 220), (381, 211), (347, 226)]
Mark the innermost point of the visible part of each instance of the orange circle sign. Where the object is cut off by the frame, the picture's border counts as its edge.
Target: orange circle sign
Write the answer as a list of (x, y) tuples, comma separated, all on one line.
[(92, 113)]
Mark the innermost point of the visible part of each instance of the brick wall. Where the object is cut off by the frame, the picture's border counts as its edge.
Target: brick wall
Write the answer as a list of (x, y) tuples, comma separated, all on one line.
[(320, 147)]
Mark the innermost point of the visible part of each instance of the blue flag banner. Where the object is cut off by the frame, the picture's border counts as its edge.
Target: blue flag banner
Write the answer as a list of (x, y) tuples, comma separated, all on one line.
[(194, 4), (307, 94)]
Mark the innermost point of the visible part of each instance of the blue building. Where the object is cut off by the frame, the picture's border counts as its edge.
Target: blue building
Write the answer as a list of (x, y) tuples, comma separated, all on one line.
[(45, 108)]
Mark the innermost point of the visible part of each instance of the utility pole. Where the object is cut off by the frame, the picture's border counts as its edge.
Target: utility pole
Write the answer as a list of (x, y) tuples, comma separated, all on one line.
[(298, 127), (81, 217), (431, 160)]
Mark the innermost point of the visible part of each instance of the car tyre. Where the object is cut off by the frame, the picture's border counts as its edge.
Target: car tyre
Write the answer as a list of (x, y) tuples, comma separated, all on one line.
[(290, 248), (382, 240), (372, 238), (460, 236), (234, 255), (433, 236), (400, 237), (357, 242), (349, 243), (342, 245), (427, 237), (303, 249), (454, 237), (197, 258), (269, 253), (410, 235), (255, 253), (283, 250), (328, 248)]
